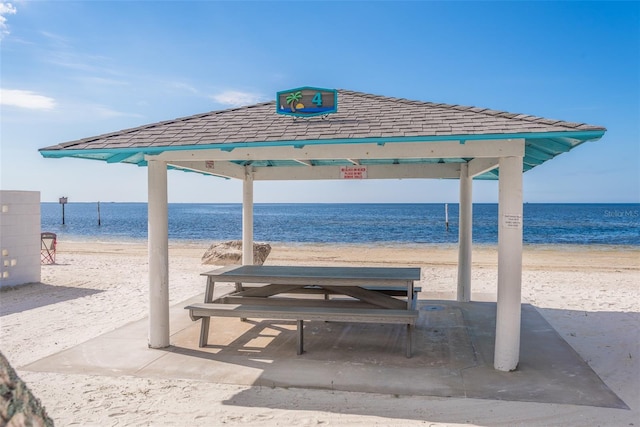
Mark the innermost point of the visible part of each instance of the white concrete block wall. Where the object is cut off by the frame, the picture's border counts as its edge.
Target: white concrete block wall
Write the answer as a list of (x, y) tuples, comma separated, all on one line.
[(19, 237)]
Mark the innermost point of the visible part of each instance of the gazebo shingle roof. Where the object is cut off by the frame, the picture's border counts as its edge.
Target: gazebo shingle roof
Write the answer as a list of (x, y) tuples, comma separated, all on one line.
[(361, 118), (360, 115)]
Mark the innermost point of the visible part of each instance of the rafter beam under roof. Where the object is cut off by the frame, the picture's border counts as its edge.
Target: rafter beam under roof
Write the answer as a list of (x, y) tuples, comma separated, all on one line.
[(404, 171), (430, 150), (218, 168), (480, 166)]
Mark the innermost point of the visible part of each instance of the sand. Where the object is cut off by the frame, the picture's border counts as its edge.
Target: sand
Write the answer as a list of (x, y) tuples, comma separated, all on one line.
[(590, 295)]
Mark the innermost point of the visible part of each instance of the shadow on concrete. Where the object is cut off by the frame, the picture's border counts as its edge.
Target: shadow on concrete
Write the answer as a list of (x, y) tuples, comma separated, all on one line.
[(30, 296), (453, 357)]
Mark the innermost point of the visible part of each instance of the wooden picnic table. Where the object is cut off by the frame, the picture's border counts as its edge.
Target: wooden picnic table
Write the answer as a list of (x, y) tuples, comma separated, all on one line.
[(352, 294)]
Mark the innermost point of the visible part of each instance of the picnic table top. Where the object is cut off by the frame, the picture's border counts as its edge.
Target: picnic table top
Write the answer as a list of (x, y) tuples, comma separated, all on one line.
[(255, 272)]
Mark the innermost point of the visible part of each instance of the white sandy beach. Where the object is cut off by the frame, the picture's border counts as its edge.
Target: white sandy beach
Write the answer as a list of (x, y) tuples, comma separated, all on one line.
[(591, 296)]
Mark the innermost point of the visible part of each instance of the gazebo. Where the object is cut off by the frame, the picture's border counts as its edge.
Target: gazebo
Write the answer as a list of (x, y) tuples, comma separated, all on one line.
[(362, 136)]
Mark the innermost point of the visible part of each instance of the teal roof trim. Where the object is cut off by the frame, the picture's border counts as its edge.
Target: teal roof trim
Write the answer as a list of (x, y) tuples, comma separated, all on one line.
[(539, 148), (119, 157), (550, 137)]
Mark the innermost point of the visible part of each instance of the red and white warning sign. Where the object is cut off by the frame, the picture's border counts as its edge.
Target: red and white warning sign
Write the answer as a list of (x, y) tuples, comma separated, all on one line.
[(353, 172)]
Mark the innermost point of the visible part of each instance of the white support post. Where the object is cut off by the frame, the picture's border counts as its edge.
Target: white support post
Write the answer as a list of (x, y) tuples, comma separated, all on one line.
[(158, 228), (507, 345), (247, 218), (465, 230)]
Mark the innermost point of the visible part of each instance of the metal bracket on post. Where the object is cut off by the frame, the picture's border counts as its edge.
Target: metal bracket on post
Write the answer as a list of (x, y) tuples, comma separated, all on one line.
[(248, 171)]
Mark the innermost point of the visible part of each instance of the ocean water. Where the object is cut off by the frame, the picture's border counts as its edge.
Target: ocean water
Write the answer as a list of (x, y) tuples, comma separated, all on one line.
[(546, 224)]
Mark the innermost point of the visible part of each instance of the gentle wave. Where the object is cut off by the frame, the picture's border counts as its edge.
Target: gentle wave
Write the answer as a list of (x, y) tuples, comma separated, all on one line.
[(421, 224)]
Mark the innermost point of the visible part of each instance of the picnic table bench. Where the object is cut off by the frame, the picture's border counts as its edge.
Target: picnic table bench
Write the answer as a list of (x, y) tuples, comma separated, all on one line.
[(371, 293)]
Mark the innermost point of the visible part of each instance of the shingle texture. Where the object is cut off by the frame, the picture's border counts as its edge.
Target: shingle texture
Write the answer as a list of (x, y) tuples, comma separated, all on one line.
[(359, 115)]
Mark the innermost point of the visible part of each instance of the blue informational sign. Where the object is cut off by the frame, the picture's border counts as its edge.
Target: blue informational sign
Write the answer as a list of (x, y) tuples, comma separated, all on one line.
[(307, 101)]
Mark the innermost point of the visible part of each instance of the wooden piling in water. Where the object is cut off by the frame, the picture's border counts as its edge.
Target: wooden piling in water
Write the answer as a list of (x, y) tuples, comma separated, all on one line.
[(446, 216)]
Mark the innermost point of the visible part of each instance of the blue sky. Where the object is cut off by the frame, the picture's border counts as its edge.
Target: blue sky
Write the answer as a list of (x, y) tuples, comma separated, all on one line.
[(71, 70)]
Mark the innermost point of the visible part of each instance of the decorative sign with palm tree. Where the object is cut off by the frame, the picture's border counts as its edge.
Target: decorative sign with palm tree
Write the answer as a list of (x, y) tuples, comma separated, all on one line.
[(307, 101), (292, 100)]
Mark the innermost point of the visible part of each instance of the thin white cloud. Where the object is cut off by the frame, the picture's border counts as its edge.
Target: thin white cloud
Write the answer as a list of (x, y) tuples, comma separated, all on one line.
[(62, 52), (235, 98), (26, 99), (76, 62), (5, 9), (184, 87), (55, 37), (104, 112), (102, 81)]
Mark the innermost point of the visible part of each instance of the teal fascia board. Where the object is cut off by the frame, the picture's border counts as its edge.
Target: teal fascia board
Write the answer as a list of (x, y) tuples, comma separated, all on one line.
[(119, 157), (580, 135)]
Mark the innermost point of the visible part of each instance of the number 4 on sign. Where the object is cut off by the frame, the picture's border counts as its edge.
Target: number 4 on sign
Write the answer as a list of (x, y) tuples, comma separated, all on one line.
[(317, 99)]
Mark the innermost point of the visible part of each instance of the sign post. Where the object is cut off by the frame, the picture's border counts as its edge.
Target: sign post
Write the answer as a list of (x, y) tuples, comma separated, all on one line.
[(446, 216), (63, 201)]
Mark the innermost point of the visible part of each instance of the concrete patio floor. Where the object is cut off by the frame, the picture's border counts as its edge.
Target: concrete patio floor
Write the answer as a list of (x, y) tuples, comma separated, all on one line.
[(452, 356)]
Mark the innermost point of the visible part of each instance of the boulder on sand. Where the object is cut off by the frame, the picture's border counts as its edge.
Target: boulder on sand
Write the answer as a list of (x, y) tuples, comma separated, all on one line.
[(227, 253), (18, 406)]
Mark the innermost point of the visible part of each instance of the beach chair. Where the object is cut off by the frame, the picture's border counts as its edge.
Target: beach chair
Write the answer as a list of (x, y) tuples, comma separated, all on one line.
[(48, 243)]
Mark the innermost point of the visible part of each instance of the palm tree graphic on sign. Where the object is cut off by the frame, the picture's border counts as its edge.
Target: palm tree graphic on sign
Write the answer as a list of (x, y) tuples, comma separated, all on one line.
[(293, 99)]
